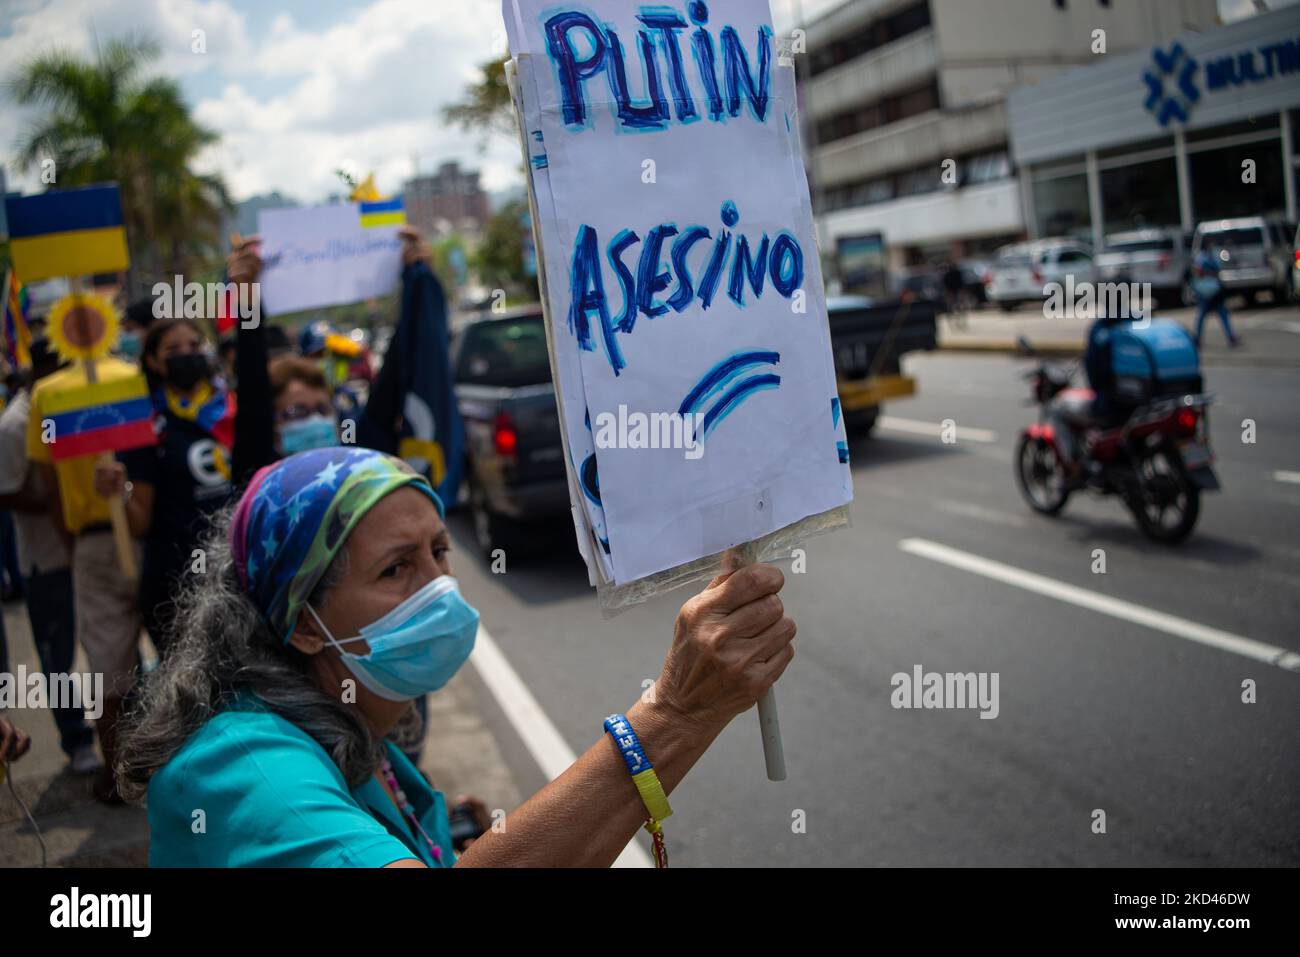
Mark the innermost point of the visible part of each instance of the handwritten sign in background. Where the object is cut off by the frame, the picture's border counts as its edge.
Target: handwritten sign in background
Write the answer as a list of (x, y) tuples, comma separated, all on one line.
[(323, 256)]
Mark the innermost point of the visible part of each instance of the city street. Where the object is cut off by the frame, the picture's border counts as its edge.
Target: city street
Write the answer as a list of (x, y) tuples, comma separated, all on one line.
[(1098, 708)]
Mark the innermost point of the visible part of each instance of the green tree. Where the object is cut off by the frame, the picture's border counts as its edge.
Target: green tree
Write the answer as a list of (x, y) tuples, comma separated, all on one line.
[(105, 121), (499, 260), (486, 108)]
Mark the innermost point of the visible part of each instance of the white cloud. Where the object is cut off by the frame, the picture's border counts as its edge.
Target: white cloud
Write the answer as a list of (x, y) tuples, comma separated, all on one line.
[(294, 101)]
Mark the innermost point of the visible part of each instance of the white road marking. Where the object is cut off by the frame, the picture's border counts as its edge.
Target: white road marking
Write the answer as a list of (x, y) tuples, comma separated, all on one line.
[(1292, 477), (1279, 325), (971, 510), (935, 429), (543, 740), (1115, 607)]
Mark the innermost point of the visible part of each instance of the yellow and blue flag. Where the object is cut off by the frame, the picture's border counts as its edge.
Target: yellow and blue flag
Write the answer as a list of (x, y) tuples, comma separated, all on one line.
[(67, 232), (384, 212)]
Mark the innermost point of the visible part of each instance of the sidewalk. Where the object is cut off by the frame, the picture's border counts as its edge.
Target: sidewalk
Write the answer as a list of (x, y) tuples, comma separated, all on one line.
[(460, 756), (1270, 337)]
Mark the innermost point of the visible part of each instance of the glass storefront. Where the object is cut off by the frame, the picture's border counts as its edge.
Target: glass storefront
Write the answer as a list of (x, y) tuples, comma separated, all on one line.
[(1139, 184), (1140, 195), (1061, 205), (1220, 186)]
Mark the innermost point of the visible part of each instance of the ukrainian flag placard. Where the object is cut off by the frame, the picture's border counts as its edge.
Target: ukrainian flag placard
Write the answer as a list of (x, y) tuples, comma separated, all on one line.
[(67, 232), (385, 212)]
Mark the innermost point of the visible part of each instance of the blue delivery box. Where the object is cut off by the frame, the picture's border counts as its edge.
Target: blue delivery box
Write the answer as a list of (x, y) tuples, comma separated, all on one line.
[(1154, 359)]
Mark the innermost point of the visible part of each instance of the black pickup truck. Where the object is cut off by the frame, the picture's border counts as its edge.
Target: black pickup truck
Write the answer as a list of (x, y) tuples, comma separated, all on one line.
[(515, 457), (869, 338)]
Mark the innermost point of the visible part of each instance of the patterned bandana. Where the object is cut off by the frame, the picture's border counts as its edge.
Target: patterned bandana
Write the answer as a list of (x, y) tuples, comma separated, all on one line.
[(295, 515)]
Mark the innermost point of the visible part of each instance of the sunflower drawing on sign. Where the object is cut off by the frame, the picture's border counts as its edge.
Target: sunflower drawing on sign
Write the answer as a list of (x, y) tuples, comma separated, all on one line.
[(83, 326)]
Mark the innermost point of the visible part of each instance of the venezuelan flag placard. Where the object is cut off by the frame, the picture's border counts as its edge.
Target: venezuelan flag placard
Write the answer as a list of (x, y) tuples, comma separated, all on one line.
[(108, 416), (67, 232), (385, 212)]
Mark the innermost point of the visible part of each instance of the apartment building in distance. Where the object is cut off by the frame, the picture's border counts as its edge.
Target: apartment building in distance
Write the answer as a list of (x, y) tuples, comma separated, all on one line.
[(448, 200)]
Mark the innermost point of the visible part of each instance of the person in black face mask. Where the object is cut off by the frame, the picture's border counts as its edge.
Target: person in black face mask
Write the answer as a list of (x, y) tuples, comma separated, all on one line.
[(172, 488)]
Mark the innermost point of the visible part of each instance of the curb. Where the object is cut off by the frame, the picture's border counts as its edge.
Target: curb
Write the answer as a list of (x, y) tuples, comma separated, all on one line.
[(1059, 350)]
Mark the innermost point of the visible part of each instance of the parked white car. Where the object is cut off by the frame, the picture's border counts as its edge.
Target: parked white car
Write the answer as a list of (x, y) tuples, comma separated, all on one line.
[(1161, 257), (1023, 270), (1255, 254)]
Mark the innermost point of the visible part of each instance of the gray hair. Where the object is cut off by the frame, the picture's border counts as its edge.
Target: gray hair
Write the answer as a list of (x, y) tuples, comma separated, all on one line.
[(223, 647)]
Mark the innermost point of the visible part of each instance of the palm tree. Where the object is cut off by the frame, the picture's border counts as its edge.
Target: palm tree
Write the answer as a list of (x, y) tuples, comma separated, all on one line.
[(104, 121)]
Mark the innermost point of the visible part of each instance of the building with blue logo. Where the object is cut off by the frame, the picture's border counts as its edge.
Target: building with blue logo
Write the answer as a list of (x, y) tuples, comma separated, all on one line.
[(1203, 125), (904, 109)]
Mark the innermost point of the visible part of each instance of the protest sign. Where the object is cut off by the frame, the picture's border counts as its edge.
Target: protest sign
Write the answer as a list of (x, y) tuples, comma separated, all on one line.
[(681, 274), (329, 255)]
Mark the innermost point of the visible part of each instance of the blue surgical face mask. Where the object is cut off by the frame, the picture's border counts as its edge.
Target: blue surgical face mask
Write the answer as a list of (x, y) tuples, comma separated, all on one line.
[(128, 345), (416, 647), (313, 432)]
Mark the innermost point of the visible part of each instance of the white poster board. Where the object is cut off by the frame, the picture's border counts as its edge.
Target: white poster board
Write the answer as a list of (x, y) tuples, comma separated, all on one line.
[(684, 291), (327, 255)]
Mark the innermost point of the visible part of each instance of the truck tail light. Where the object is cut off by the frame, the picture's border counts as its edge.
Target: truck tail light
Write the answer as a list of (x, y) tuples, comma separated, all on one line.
[(504, 437)]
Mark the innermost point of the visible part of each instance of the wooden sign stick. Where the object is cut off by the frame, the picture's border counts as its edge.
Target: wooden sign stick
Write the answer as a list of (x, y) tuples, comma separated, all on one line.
[(116, 507)]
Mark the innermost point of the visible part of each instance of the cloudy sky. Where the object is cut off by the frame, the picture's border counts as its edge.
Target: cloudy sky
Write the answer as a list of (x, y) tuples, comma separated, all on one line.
[(297, 88)]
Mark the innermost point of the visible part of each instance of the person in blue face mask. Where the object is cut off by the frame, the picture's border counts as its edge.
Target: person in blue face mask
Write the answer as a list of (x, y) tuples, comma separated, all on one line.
[(328, 607), (304, 413)]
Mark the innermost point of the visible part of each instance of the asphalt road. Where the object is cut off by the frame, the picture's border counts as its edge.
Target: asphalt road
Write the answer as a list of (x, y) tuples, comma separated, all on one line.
[(1096, 712)]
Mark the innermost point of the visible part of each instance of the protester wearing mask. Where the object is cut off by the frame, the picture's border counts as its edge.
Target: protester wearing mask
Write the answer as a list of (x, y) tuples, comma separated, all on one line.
[(287, 405), (134, 326), (282, 407), (327, 608), (304, 414), (171, 489)]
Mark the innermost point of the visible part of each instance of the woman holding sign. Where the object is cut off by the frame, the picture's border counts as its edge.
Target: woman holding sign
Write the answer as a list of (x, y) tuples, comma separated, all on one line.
[(172, 489), (327, 608)]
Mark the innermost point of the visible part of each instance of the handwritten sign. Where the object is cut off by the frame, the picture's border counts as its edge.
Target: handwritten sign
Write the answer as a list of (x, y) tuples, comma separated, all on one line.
[(692, 350), (329, 255)]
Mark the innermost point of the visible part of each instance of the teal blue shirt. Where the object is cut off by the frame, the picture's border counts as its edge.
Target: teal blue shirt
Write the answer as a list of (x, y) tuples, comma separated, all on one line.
[(271, 797)]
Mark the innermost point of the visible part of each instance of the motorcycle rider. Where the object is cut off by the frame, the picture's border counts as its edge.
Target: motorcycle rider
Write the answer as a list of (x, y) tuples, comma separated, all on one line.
[(1104, 406)]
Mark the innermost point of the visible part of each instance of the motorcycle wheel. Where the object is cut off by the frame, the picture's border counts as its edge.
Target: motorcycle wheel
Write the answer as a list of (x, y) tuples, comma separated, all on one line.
[(1167, 502), (1041, 476)]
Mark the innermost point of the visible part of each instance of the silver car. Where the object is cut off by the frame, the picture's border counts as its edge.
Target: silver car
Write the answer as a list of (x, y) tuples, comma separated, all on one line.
[(1255, 254), (1022, 271), (1160, 257)]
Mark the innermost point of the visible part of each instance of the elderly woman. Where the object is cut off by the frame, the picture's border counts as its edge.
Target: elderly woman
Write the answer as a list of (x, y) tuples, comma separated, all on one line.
[(327, 607)]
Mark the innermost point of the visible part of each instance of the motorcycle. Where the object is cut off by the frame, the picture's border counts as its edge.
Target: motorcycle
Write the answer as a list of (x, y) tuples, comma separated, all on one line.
[(1158, 460)]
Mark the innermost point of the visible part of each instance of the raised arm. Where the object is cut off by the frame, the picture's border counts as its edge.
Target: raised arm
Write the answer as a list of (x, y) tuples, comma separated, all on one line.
[(731, 643), (254, 407)]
